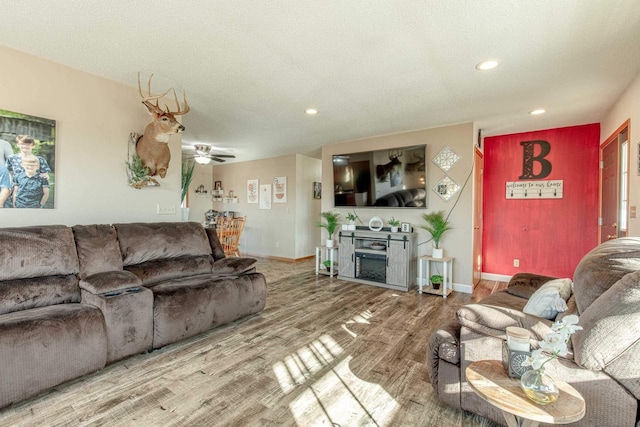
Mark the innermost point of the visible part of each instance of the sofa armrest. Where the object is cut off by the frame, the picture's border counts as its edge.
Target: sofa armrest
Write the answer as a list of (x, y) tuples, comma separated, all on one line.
[(494, 314), (443, 347), (112, 281), (523, 285), (234, 266), (444, 343)]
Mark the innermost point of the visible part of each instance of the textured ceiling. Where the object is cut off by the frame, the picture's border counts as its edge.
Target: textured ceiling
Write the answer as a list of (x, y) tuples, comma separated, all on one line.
[(251, 67)]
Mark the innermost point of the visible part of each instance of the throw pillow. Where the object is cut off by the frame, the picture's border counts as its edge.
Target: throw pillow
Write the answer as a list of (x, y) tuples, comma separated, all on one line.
[(550, 299), (611, 325), (524, 285)]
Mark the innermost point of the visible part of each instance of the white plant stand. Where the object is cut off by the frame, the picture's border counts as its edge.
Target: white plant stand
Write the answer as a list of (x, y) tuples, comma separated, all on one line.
[(324, 253), (447, 275)]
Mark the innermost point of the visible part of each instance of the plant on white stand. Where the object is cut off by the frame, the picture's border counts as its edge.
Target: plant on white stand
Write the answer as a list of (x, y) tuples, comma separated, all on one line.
[(437, 225), (330, 225)]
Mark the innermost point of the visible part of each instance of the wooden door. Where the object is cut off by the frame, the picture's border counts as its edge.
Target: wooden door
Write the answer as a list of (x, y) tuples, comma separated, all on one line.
[(613, 185), (478, 167)]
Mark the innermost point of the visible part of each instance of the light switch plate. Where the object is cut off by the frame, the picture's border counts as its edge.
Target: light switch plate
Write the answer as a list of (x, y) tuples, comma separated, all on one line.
[(166, 209)]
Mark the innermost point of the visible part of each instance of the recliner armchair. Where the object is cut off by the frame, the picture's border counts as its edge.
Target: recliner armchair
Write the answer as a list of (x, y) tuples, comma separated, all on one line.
[(605, 365)]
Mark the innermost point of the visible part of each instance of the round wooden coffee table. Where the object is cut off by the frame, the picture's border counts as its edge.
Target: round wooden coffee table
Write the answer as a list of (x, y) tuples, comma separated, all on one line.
[(490, 381)]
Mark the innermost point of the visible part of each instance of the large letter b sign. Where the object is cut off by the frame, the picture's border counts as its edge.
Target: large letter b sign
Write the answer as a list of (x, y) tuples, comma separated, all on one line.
[(529, 159)]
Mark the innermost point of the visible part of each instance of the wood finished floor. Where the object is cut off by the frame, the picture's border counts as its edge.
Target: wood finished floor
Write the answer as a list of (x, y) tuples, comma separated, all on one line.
[(324, 352)]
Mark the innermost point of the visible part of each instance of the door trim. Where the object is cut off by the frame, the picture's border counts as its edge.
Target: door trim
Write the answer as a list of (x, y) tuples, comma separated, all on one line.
[(613, 137)]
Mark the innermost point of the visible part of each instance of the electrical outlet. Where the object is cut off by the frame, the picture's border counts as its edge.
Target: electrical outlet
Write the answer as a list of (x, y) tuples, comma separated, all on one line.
[(166, 209), (277, 244), (516, 262)]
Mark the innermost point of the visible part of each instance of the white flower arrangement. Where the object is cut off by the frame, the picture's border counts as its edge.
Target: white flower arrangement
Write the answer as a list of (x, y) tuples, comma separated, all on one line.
[(553, 344)]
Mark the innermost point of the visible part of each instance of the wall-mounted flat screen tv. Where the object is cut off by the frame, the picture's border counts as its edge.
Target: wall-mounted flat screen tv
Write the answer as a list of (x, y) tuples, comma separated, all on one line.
[(390, 178)]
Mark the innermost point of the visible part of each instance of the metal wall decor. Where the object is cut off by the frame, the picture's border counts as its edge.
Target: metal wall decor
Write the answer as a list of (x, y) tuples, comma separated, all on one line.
[(446, 158), (446, 188)]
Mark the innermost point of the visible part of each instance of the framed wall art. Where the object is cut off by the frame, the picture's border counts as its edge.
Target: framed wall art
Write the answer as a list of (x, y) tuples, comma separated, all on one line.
[(280, 189), (252, 191), (27, 163), (317, 190)]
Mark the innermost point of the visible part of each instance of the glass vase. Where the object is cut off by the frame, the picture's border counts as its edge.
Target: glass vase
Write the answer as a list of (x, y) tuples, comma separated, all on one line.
[(539, 387)]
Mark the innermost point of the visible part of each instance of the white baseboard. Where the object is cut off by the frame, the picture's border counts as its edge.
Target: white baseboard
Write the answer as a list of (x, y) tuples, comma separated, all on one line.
[(458, 287), (466, 289), (497, 277)]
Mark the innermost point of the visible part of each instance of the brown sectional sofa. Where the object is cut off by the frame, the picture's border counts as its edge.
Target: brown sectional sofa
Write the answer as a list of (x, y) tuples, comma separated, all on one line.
[(605, 365), (73, 299)]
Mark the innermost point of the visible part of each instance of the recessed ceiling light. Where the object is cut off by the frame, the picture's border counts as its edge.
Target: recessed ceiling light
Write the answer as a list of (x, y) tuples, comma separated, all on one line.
[(311, 111), (487, 65), (537, 111)]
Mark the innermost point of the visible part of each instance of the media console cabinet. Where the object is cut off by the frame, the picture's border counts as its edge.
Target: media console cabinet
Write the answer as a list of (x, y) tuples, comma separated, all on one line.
[(379, 258)]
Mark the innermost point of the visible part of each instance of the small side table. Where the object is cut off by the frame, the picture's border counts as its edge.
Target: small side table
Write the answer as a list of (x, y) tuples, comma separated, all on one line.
[(325, 253), (447, 275), (489, 380)]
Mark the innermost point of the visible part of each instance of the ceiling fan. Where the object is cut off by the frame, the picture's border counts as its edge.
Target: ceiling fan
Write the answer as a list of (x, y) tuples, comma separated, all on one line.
[(204, 156)]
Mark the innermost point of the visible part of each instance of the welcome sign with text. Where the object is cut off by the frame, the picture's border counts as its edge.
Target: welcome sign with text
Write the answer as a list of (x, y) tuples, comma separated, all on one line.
[(551, 189)]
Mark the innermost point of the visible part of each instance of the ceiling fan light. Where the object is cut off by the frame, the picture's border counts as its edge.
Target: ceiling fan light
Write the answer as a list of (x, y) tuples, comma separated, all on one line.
[(202, 160)]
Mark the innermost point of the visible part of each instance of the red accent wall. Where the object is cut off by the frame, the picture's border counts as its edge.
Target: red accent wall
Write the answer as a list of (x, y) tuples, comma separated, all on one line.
[(548, 236)]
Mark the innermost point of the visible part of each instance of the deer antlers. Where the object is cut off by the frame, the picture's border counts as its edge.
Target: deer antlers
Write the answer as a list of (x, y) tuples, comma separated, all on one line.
[(146, 100)]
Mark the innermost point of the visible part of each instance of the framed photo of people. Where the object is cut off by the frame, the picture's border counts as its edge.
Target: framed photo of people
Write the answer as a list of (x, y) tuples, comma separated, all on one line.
[(27, 161)]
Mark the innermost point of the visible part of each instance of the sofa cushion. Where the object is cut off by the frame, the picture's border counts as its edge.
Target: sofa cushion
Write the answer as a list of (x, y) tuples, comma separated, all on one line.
[(112, 281), (24, 294), (141, 242), (492, 315), (46, 346), (171, 268), (523, 285), (234, 266), (602, 267), (98, 249), (37, 251), (550, 299), (189, 305), (611, 324)]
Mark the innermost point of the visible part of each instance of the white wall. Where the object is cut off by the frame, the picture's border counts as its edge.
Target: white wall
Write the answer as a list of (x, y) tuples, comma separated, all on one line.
[(308, 171), (461, 139), (200, 203), (272, 232), (628, 107), (94, 117)]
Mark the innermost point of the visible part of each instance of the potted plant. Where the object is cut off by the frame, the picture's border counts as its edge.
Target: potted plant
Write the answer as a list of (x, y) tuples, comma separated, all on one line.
[(436, 281), (351, 217), (394, 223), (187, 176), (327, 264), (437, 225), (331, 224)]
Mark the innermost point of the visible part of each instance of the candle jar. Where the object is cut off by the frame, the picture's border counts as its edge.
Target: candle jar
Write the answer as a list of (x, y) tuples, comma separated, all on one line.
[(515, 350)]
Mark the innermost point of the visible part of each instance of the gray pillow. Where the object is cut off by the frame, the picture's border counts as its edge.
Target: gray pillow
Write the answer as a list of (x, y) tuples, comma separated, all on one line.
[(611, 324), (550, 299)]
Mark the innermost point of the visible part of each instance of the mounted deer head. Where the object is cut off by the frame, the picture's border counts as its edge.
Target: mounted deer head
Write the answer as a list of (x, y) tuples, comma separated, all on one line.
[(418, 165), (152, 146), (383, 170)]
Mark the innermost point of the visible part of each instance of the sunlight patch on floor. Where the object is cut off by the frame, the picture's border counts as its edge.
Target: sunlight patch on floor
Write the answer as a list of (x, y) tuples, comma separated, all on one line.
[(362, 318), (341, 398), (298, 367)]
